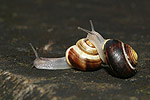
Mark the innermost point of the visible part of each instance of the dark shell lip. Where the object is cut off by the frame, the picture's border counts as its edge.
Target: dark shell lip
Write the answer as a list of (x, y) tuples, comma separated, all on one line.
[(116, 59), (80, 61)]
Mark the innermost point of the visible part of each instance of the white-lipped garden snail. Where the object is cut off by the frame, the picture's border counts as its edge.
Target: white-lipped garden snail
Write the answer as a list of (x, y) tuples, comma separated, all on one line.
[(82, 56), (89, 53)]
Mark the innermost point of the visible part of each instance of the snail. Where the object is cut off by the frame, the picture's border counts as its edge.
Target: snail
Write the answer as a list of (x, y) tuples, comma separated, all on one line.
[(90, 52), (82, 56)]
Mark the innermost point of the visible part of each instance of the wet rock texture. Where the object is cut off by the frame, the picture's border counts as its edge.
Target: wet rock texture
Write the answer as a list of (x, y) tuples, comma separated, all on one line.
[(51, 26)]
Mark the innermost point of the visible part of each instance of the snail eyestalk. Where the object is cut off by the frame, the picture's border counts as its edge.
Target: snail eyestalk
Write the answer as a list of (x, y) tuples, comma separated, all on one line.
[(92, 26), (85, 30), (35, 52)]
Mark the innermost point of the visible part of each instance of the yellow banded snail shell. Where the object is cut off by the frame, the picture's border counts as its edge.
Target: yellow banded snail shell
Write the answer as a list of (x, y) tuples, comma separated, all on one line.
[(83, 56)]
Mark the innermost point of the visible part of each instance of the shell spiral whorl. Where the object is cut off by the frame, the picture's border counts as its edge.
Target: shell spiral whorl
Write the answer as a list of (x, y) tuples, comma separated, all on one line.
[(83, 56), (121, 58)]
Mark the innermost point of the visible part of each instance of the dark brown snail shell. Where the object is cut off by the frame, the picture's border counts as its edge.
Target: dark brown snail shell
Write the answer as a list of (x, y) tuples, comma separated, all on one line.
[(121, 58), (83, 56)]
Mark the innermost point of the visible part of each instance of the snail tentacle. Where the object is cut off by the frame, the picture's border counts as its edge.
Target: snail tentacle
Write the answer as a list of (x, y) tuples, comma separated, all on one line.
[(49, 63), (92, 26), (36, 54)]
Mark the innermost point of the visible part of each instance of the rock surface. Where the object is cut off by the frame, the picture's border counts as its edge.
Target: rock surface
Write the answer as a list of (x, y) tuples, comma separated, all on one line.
[(53, 23)]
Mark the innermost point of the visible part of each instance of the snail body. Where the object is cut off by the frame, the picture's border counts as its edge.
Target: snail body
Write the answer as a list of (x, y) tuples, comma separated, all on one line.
[(49, 63), (89, 53)]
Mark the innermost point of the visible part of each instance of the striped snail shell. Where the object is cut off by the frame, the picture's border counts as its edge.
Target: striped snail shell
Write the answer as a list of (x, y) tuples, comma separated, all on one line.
[(120, 57), (83, 56)]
